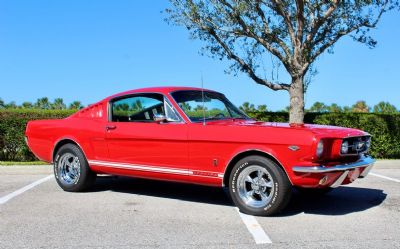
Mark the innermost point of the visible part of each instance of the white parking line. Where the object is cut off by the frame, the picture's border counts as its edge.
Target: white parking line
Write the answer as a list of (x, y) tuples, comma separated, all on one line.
[(254, 228), (385, 177), (8, 197)]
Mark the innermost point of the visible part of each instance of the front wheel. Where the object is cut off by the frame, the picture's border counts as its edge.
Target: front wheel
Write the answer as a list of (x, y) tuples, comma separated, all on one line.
[(258, 186), (71, 169)]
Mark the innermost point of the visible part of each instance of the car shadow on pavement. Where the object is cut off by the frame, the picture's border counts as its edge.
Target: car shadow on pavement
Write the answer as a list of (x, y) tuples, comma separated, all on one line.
[(340, 201), (170, 190)]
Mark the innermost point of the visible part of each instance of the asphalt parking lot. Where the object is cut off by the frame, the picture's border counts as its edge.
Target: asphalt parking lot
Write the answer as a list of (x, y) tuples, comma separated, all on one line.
[(133, 213)]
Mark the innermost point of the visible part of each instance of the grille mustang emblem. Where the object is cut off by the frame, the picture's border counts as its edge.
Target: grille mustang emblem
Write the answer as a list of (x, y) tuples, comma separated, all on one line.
[(359, 145)]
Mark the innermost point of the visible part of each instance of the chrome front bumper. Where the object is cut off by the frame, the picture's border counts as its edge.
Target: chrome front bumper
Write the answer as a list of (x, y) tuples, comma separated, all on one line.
[(367, 162), (363, 162)]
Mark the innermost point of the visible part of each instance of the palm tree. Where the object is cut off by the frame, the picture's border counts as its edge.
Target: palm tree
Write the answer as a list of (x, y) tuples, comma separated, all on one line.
[(286, 109), (247, 107), (200, 108), (27, 105), (347, 109), (137, 106), (42, 103), (385, 107), (11, 105), (76, 105), (335, 108), (185, 106), (262, 108), (319, 107), (58, 104), (360, 106)]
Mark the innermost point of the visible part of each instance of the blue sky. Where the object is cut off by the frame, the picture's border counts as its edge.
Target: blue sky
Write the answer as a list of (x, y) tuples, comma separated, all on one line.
[(89, 49)]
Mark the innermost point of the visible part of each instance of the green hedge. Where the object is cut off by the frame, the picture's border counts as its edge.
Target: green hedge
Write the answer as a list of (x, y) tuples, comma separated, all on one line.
[(385, 129), (12, 131)]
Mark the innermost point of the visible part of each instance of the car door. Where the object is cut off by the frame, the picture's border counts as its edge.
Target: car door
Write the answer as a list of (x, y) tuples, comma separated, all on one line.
[(140, 146)]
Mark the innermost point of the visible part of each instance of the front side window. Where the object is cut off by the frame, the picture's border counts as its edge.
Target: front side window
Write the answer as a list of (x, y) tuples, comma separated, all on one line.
[(207, 105)]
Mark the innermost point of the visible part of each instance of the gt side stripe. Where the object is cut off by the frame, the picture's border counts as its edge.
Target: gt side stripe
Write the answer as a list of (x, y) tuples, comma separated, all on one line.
[(156, 169), (140, 167)]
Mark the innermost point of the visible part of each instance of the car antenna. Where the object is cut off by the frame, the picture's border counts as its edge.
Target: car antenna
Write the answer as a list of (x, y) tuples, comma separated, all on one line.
[(202, 98)]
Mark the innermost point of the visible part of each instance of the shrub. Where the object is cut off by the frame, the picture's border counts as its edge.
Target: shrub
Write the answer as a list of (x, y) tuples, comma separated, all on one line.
[(385, 129), (12, 131)]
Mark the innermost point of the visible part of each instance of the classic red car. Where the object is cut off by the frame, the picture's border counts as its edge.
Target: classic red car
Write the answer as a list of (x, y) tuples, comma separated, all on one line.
[(197, 136)]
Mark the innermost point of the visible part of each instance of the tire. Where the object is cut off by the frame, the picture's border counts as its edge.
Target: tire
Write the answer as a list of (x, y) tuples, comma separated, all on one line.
[(71, 169), (260, 196), (314, 191)]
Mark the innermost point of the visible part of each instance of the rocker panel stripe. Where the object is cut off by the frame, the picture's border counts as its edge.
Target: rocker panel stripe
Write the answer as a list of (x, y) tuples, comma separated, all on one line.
[(148, 168)]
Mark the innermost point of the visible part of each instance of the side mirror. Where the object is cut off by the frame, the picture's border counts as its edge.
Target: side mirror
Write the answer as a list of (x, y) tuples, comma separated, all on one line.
[(159, 118)]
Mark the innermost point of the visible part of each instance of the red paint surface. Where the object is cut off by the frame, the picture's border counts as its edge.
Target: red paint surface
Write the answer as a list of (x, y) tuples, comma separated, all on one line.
[(186, 151)]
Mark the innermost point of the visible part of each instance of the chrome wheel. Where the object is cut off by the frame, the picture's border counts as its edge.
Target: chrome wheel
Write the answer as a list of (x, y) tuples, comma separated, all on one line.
[(69, 168), (255, 186)]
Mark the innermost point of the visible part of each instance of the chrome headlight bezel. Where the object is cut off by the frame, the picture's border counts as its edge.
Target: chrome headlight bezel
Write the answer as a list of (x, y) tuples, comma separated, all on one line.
[(344, 148), (320, 149), (367, 144)]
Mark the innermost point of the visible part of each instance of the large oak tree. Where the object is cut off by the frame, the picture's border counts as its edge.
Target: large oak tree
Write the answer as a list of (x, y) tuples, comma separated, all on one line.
[(295, 32)]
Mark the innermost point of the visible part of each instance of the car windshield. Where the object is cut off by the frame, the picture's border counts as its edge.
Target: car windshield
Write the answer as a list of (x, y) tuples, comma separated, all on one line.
[(199, 105)]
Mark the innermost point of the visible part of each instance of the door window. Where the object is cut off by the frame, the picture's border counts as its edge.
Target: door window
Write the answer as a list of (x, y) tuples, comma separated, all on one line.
[(142, 108)]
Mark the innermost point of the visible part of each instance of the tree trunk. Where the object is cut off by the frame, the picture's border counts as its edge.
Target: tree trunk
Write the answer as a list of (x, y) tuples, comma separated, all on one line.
[(296, 93)]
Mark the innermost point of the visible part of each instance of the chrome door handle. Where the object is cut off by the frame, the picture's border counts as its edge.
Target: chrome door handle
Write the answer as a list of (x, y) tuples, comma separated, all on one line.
[(110, 127)]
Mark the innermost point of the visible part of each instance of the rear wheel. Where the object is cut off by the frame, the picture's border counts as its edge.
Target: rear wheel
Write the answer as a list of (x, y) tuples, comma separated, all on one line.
[(71, 169), (258, 186)]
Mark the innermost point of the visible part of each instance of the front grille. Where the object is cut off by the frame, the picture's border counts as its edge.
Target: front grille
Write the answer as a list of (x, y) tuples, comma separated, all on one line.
[(357, 145)]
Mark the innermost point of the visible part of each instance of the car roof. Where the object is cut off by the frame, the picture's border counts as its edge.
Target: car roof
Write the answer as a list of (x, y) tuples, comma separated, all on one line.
[(163, 90)]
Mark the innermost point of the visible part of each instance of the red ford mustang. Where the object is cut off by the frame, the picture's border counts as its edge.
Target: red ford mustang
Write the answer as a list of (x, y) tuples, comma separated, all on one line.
[(189, 135)]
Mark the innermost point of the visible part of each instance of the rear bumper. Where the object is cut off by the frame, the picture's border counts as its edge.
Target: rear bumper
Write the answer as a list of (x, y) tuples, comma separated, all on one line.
[(363, 162)]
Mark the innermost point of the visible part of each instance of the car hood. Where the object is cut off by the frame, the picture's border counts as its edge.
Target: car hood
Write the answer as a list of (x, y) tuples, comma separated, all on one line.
[(319, 130)]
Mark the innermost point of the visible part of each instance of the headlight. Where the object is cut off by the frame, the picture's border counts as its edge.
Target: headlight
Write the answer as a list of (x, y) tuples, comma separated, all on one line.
[(344, 149), (320, 148)]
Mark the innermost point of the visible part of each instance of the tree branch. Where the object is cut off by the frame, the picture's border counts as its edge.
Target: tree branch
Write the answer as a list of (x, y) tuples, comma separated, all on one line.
[(248, 32), (286, 17), (317, 23), (300, 21), (267, 31), (246, 67), (339, 35)]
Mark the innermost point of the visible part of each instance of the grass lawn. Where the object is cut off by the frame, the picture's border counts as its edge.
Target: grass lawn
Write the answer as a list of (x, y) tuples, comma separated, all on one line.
[(10, 163)]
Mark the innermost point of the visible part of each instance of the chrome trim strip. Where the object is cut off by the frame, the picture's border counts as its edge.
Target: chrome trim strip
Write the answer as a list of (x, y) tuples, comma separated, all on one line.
[(363, 162), (154, 169), (170, 95), (206, 176), (340, 180)]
